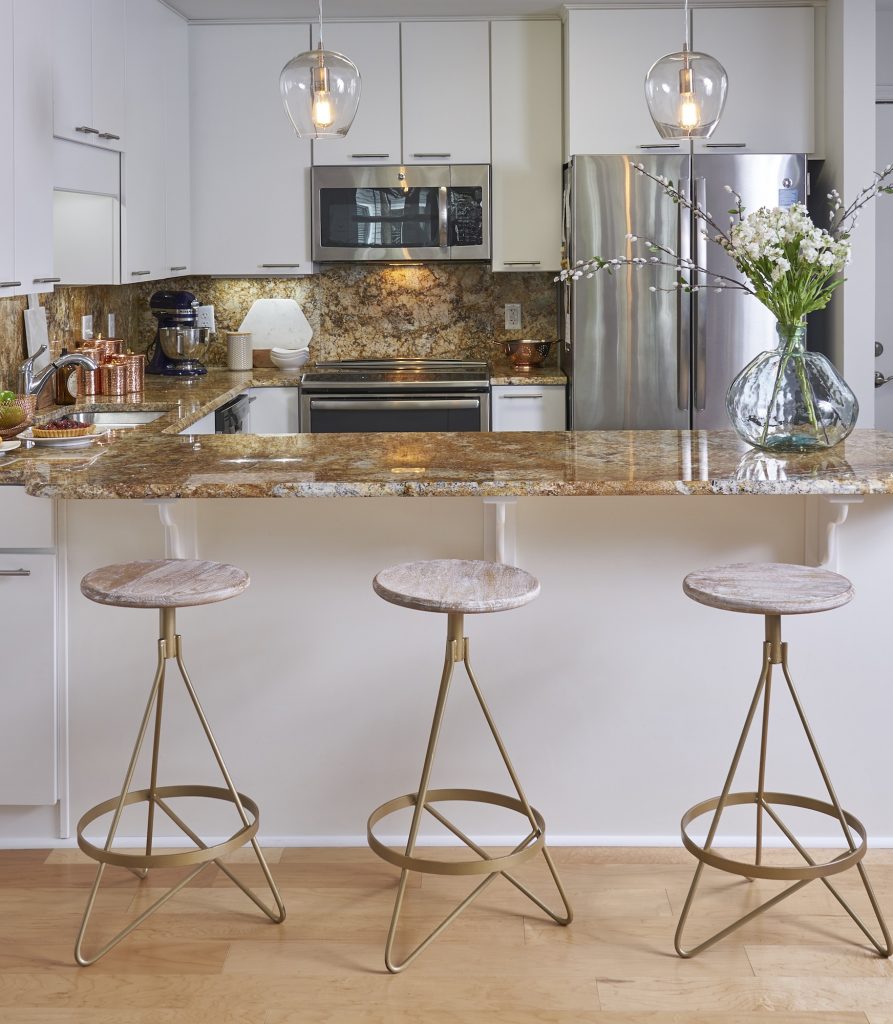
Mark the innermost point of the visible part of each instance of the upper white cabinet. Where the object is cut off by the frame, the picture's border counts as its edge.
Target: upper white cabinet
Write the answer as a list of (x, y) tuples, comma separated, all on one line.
[(88, 71), (7, 161), (374, 136), (769, 55), (446, 92), (250, 172), (768, 52), (526, 112), (177, 182)]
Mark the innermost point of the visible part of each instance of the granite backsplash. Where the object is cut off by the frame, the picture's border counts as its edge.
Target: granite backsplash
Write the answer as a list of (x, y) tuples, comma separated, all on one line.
[(428, 310)]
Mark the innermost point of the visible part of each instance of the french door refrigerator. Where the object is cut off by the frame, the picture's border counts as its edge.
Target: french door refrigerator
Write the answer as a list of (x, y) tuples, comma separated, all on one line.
[(640, 359)]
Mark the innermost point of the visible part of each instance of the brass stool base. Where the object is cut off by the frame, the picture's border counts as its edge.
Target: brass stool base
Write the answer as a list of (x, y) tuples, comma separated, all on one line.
[(156, 798), (423, 801), (764, 802)]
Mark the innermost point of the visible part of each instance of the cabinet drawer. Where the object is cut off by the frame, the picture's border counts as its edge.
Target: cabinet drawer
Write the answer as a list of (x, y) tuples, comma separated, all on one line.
[(25, 522), (527, 407)]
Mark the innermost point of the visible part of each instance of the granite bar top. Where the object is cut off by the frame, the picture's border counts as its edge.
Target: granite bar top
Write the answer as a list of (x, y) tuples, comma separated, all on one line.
[(156, 461), (502, 372)]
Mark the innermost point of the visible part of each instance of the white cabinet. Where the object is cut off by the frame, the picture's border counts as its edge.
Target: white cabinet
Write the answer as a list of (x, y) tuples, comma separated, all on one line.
[(33, 146), (156, 179), (525, 65), (528, 407), (769, 55), (374, 136), (274, 410), (446, 92), (7, 162), (88, 71), (768, 52), (250, 172), (206, 425)]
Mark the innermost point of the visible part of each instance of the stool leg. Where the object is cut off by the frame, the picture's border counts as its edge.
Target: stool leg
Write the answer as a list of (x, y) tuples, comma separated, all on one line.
[(775, 653), (457, 650), (169, 647)]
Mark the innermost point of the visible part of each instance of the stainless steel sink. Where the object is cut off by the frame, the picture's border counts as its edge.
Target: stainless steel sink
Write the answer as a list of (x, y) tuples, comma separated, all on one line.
[(117, 420)]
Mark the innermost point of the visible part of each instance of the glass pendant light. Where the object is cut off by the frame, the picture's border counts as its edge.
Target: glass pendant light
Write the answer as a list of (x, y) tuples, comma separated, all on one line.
[(686, 92), (321, 92)]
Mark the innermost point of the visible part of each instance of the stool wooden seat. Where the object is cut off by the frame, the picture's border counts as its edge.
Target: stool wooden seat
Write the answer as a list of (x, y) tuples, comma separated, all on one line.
[(164, 583), (774, 590), (770, 588), (456, 585)]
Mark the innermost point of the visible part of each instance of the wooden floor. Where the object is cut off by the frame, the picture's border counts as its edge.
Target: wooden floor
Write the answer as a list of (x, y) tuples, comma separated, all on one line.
[(208, 957)]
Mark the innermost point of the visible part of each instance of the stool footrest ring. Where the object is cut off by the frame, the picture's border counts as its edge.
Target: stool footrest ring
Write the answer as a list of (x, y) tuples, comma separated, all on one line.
[(479, 866), (807, 872)]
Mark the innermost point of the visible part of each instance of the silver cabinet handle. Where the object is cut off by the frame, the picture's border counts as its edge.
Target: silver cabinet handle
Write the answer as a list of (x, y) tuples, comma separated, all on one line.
[(140, 273), (278, 266), (660, 145), (47, 280), (109, 135), (369, 156), (423, 156), (175, 269), (725, 145), (15, 572), (515, 398), (10, 284), (86, 130), (521, 263), (443, 211), (375, 405)]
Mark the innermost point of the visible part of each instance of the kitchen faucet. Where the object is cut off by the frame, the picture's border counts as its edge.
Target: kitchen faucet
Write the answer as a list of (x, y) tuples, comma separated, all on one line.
[(32, 384)]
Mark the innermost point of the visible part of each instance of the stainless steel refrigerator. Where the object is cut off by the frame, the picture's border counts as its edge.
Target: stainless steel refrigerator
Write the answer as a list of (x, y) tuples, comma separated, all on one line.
[(642, 359)]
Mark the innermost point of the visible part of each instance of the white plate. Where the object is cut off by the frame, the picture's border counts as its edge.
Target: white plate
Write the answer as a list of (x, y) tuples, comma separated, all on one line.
[(60, 442), (8, 446)]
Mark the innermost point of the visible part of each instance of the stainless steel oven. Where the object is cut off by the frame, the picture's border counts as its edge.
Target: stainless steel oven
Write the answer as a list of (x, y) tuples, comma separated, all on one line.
[(396, 213), (399, 395)]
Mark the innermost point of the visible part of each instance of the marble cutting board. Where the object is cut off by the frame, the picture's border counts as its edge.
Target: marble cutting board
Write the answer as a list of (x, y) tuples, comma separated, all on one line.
[(277, 323)]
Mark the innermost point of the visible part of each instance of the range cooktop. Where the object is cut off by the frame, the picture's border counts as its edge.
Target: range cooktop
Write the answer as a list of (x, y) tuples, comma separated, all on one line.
[(398, 373)]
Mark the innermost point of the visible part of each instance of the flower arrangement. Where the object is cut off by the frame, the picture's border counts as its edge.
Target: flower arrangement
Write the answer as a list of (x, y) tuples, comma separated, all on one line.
[(786, 262)]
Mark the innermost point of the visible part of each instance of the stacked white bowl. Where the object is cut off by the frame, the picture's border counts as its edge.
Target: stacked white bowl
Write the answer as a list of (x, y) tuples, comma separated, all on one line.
[(289, 358)]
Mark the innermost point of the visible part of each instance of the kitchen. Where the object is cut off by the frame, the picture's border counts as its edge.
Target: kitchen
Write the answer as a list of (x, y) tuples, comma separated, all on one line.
[(326, 706)]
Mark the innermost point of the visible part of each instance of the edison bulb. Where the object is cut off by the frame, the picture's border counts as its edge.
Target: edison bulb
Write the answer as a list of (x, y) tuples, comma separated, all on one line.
[(689, 112), (322, 113)]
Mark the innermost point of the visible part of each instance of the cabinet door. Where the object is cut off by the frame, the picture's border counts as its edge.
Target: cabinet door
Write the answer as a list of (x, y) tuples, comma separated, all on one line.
[(770, 107), (374, 136), (446, 92), (7, 161), (33, 146), (526, 109), (608, 54), (274, 410), (250, 173), (142, 192), (28, 680), (108, 38), (176, 145), (72, 29), (527, 407)]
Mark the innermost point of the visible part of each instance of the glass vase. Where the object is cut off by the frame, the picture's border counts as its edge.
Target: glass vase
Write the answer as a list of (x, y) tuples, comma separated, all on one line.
[(791, 400)]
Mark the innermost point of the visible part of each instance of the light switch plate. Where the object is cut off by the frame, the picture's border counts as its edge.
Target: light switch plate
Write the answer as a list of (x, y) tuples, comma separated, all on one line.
[(87, 328), (513, 316), (205, 318), (110, 325)]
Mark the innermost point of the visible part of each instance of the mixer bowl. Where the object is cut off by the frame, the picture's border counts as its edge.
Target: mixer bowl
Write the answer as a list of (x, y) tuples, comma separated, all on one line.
[(184, 342)]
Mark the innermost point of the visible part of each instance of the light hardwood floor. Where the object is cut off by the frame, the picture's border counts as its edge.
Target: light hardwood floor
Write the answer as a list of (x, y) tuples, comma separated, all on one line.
[(208, 957)]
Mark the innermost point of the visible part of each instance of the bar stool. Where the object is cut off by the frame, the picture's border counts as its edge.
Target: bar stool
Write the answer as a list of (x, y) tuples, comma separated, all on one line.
[(167, 585), (774, 590), (458, 588)]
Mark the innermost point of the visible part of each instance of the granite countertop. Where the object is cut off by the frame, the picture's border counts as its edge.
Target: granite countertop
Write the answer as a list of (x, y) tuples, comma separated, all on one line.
[(157, 461), (502, 372)]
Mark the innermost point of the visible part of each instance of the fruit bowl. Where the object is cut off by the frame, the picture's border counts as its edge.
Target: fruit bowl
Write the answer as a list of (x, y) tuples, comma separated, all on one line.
[(16, 415), (527, 354)]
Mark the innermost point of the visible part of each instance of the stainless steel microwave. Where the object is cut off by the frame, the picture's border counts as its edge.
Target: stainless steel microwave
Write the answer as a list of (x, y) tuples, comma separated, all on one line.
[(395, 213)]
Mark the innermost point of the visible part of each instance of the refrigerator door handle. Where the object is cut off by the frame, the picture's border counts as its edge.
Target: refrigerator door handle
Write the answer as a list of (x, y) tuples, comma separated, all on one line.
[(699, 303), (683, 306)]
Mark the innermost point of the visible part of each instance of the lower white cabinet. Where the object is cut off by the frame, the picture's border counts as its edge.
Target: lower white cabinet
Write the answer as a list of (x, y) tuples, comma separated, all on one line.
[(206, 425), (528, 407), (274, 410), (28, 644)]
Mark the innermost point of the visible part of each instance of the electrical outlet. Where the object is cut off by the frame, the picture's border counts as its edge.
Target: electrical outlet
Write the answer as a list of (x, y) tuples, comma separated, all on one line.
[(205, 318), (87, 328), (513, 316)]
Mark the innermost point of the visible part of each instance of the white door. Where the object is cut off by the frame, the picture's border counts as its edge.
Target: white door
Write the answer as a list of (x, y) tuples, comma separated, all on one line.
[(72, 34), (109, 34), (883, 396), (177, 232), (7, 163)]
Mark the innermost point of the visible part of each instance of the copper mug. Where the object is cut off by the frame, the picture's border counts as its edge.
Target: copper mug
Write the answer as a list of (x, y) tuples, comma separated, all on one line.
[(135, 372), (114, 379), (89, 382)]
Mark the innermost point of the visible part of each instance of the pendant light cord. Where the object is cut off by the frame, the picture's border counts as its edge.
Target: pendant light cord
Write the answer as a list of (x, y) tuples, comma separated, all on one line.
[(687, 25), (320, 20)]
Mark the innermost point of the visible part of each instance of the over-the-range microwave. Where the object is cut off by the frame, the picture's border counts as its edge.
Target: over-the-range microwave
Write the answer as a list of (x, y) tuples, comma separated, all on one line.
[(401, 212)]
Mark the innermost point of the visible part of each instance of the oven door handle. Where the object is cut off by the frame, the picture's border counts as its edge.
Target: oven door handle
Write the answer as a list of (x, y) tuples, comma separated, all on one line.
[(379, 405)]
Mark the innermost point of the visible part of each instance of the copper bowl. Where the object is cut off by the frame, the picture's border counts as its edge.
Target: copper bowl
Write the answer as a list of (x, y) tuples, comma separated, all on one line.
[(26, 405), (525, 355)]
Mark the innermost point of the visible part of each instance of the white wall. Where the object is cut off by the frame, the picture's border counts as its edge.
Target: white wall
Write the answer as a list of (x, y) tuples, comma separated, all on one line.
[(620, 700)]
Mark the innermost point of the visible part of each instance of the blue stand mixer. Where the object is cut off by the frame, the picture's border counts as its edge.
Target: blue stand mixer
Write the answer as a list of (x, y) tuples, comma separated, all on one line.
[(177, 341)]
